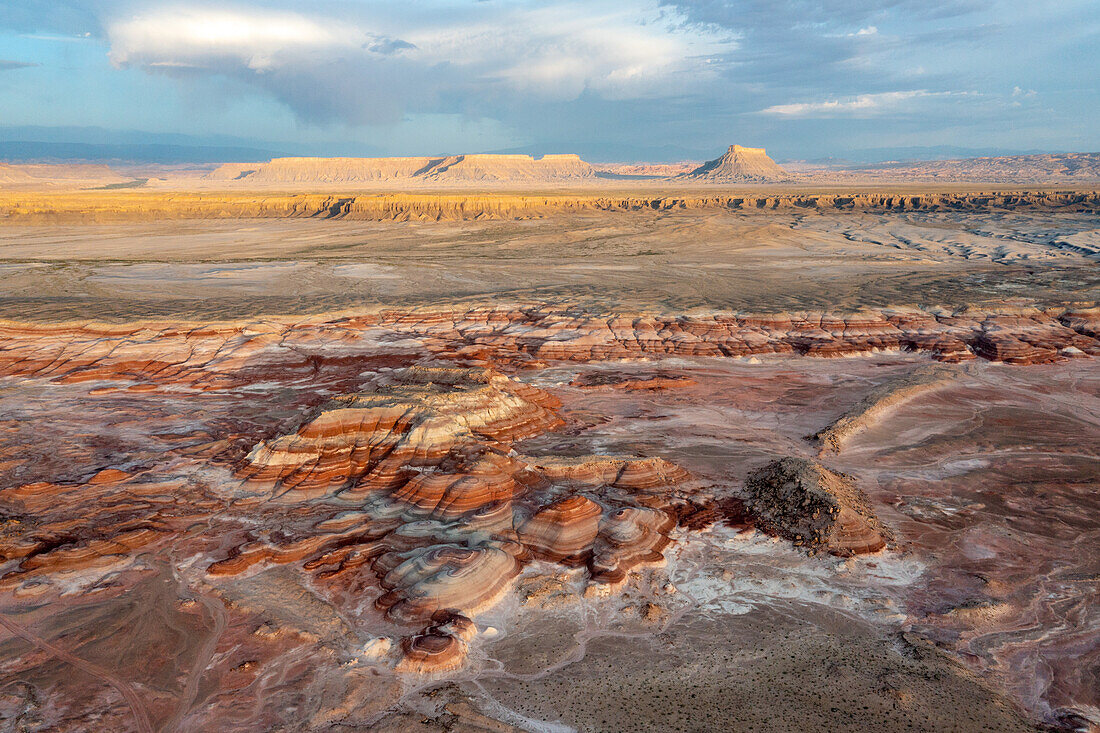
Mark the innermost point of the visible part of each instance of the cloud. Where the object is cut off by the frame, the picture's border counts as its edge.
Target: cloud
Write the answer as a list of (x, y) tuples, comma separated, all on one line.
[(473, 60), (12, 65), (196, 38), (845, 47), (861, 105)]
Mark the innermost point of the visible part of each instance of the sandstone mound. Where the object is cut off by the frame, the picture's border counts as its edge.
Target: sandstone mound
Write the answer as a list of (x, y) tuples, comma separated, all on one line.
[(440, 647), (564, 531), (428, 170), (739, 165), (814, 507)]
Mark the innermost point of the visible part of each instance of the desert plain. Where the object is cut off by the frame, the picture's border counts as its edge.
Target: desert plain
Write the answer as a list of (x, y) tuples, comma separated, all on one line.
[(626, 455)]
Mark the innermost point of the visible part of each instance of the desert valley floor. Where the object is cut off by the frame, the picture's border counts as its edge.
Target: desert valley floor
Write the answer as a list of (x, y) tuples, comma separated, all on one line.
[(550, 464)]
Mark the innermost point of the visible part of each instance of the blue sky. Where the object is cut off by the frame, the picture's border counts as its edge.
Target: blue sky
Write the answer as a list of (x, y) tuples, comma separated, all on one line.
[(631, 78)]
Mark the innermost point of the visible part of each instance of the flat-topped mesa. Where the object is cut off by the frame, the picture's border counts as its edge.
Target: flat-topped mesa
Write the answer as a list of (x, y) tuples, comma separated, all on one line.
[(483, 168), (54, 176), (739, 165), (510, 168), (324, 170), (814, 507)]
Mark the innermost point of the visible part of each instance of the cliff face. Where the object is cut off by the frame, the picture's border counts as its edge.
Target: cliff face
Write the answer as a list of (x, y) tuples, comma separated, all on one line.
[(740, 164), (440, 169), (150, 206)]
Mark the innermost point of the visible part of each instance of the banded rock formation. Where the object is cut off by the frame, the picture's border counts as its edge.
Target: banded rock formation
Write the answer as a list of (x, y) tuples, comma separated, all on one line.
[(419, 420), (440, 508), (439, 647), (220, 356), (814, 507)]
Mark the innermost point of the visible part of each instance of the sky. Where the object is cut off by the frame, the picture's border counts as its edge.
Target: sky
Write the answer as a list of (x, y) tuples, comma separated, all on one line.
[(628, 79)]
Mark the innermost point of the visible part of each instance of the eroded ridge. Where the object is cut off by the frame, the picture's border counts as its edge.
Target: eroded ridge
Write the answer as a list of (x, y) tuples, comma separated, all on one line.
[(882, 399), (51, 207)]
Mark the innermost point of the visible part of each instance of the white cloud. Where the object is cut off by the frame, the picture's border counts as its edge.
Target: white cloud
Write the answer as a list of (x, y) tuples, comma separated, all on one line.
[(423, 61), (863, 104), (180, 36)]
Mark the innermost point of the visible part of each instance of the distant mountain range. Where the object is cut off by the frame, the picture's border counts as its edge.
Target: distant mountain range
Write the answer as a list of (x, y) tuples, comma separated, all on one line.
[(932, 152)]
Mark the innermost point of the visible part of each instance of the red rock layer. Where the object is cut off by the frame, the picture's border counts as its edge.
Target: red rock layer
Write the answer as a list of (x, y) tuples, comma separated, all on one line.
[(228, 355), (51, 529), (629, 537)]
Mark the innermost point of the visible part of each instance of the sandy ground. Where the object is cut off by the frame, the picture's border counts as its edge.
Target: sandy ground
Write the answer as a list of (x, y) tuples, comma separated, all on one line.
[(673, 261)]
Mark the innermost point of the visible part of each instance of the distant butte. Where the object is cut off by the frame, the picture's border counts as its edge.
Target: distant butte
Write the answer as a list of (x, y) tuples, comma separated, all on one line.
[(739, 165)]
